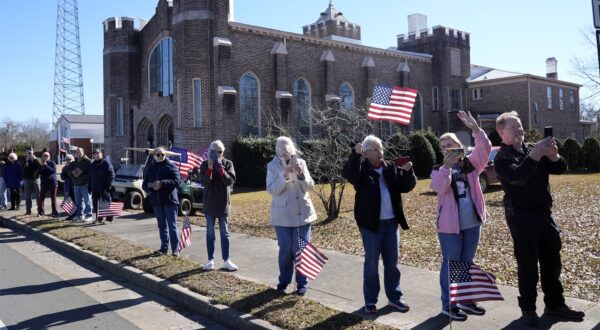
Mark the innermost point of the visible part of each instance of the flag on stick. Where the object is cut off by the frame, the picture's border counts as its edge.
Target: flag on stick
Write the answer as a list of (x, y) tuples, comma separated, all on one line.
[(469, 283), (309, 261), (187, 161), (393, 104), (186, 234), (110, 209), (68, 206)]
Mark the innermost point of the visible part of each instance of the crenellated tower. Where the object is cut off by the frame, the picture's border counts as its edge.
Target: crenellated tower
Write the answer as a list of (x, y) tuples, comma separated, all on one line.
[(333, 25)]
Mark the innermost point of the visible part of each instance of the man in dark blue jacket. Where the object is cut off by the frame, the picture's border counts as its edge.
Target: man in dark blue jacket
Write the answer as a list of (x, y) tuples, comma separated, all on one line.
[(48, 184), (161, 181), (100, 182)]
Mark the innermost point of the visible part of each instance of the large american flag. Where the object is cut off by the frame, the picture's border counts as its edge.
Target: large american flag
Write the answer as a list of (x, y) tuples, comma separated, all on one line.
[(68, 206), (309, 261), (186, 234), (469, 283), (393, 104), (110, 209), (187, 161)]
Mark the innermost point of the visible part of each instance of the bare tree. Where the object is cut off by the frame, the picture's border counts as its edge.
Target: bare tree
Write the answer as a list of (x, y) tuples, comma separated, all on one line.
[(32, 132), (331, 135), (585, 66)]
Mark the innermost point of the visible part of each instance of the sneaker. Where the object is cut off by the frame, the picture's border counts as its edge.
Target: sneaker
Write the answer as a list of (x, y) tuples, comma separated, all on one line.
[(55, 215), (370, 309), (88, 217), (281, 288), (530, 318), (230, 266), (161, 251), (175, 254), (78, 220), (27, 212), (564, 312), (210, 265), (400, 306), (455, 314), (109, 220), (71, 217), (472, 308), (301, 291)]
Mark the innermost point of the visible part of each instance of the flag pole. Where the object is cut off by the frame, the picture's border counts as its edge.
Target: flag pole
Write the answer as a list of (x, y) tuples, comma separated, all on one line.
[(449, 296)]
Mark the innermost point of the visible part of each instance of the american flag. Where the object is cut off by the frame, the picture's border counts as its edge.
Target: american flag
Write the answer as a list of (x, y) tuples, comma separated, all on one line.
[(68, 206), (469, 283), (309, 261), (110, 209), (393, 104), (186, 234), (187, 161)]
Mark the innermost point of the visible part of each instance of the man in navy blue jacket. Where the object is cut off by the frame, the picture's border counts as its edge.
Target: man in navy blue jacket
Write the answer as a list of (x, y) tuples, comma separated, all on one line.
[(161, 181), (100, 182)]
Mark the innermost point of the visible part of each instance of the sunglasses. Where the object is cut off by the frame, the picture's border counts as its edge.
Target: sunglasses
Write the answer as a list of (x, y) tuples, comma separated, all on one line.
[(220, 151), (159, 155)]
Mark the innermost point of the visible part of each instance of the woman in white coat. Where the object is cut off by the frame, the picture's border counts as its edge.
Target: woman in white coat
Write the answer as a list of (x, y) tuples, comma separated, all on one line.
[(292, 211)]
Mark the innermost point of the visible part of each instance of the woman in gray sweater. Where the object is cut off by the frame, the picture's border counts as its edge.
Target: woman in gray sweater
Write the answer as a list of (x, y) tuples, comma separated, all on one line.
[(292, 211)]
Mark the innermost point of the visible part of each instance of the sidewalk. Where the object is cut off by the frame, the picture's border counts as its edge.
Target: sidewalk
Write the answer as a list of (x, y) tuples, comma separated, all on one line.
[(340, 284)]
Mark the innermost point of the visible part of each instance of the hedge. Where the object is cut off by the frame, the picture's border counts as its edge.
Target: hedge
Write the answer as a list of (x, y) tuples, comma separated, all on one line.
[(572, 152), (250, 157), (423, 156), (591, 154)]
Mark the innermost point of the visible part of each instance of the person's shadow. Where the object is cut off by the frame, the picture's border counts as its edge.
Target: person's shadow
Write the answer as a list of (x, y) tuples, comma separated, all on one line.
[(546, 322)]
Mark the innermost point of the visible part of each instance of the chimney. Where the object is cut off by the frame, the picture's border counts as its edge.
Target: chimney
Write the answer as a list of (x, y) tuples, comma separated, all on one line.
[(551, 71), (416, 23)]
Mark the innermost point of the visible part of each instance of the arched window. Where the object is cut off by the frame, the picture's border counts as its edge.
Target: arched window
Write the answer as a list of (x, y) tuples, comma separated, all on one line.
[(346, 97), (301, 107), (249, 105), (160, 68)]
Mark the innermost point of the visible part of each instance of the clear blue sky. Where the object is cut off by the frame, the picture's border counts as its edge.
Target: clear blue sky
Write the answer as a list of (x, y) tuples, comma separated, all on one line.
[(513, 35)]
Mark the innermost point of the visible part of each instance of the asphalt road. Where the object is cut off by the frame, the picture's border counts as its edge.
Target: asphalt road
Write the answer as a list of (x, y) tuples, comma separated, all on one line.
[(40, 289)]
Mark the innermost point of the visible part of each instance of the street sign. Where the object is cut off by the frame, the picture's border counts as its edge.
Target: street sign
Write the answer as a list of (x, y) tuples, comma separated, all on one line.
[(596, 10)]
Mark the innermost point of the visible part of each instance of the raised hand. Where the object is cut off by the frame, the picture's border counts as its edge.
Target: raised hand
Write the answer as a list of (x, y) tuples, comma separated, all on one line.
[(469, 121), (358, 148)]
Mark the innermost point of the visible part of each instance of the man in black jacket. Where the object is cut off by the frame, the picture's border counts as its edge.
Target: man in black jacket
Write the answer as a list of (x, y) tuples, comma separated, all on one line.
[(31, 179), (378, 211), (100, 182), (524, 172)]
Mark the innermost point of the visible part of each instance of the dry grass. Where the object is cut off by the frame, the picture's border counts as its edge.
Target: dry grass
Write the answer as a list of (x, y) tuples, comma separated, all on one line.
[(286, 311), (576, 210)]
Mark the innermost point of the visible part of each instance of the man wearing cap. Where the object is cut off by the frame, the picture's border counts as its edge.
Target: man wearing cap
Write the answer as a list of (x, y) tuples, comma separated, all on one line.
[(100, 181), (49, 184), (80, 173), (31, 179)]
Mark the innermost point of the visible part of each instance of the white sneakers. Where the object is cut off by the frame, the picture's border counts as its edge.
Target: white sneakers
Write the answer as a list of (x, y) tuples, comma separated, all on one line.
[(210, 265), (228, 265)]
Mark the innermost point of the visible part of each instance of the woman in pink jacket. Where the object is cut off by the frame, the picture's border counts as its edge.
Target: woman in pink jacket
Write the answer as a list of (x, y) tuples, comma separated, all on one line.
[(460, 207)]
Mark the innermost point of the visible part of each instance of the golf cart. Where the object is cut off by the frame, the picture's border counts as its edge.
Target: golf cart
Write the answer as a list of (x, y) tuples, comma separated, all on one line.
[(128, 184)]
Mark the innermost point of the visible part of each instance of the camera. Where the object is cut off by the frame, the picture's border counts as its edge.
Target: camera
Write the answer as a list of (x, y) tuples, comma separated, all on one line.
[(459, 151)]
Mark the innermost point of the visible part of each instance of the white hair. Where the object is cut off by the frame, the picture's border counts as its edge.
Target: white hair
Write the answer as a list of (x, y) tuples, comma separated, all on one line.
[(369, 141), (217, 143), (452, 137), (285, 144), (12, 156)]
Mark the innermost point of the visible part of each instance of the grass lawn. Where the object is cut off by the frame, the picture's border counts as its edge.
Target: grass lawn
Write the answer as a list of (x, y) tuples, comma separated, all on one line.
[(576, 211)]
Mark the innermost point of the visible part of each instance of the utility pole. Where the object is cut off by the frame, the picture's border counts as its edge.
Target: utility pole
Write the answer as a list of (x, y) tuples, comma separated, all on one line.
[(68, 79)]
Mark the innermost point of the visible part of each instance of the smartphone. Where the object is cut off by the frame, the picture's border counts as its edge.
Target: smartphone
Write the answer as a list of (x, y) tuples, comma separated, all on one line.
[(548, 131), (401, 161), (459, 151), (213, 155), (293, 161)]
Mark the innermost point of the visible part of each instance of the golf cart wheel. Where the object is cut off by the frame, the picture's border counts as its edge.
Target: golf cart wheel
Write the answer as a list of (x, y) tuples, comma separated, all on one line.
[(185, 206), (134, 200), (483, 182)]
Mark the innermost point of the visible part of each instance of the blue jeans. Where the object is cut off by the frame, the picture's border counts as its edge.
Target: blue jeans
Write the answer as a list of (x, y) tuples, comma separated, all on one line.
[(82, 199), (384, 242), (166, 216), (2, 193), (210, 236), (287, 239), (456, 247)]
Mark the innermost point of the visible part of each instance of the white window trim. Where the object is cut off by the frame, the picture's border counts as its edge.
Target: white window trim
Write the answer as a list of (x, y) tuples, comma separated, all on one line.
[(310, 127), (148, 63), (353, 94)]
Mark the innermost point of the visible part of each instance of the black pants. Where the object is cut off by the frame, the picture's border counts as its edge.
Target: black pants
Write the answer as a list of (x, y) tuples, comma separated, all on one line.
[(536, 239), (95, 198), (15, 198)]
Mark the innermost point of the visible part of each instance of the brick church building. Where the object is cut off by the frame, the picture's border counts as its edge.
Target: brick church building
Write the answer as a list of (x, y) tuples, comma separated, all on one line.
[(191, 74)]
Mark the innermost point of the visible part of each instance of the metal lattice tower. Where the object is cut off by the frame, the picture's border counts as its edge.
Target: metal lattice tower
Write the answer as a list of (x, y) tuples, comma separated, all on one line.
[(68, 80)]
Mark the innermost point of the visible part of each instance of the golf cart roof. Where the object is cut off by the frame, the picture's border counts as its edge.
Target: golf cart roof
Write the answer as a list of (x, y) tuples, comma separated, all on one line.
[(151, 150)]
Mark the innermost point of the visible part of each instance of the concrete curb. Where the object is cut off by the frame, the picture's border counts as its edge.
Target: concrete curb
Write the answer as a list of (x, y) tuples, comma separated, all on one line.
[(184, 298)]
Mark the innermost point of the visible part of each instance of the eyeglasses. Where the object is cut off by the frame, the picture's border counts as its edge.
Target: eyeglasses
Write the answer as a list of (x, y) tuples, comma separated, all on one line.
[(219, 151), (159, 155)]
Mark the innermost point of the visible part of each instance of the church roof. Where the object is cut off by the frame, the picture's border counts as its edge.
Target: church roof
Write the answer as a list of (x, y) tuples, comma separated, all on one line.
[(331, 14)]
